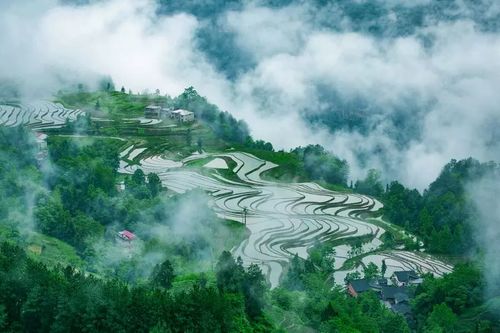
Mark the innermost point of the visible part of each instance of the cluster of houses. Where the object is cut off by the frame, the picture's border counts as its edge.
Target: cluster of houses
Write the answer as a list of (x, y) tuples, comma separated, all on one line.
[(157, 112), (394, 292)]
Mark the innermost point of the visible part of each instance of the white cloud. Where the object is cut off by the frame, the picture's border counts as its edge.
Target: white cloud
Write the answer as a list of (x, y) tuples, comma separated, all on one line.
[(451, 84), (484, 194), (121, 38)]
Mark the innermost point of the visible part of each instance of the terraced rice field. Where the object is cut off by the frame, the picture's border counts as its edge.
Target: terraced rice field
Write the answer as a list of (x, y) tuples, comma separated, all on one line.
[(283, 219), (144, 121), (38, 115)]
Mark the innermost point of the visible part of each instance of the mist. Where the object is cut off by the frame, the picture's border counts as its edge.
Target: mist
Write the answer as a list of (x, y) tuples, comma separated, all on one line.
[(484, 194), (425, 96)]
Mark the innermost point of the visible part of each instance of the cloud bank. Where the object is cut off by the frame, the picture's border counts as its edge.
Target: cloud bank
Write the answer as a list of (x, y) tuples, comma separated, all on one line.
[(484, 194), (425, 96)]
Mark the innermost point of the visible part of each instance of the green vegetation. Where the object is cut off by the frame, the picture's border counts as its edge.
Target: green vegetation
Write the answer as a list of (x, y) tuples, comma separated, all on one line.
[(442, 217), (214, 131), (177, 274), (36, 299), (77, 211), (113, 104), (317, 304), (447, 304), (290, 167), (310, 163)]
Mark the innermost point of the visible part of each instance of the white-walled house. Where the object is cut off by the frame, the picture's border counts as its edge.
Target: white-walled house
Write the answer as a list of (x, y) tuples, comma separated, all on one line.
[(152, 112), (182, 115)]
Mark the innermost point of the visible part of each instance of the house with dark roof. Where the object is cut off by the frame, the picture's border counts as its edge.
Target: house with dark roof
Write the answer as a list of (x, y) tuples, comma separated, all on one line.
[(398, 300), (405, 278), (403, 309), (394, 295), (152, 112), (356, 287)]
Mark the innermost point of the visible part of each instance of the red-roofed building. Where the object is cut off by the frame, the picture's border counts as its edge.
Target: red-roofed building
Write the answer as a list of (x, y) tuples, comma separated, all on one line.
[(126, 235)]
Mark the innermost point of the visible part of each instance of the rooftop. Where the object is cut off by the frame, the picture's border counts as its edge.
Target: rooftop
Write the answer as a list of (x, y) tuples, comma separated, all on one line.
[(127, 235), (182, 112), (360, 285), (402, 308), (405, 276), (393, 292)]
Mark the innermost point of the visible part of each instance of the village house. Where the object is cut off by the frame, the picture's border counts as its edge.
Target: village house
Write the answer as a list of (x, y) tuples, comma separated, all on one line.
[(182, 115), (405, 278), (356, 287), (165, 112), (393, 297), (397, 299), (152, 112), (126, 235)]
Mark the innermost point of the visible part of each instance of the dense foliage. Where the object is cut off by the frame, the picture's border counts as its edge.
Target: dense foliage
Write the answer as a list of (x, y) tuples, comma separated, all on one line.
[(454, 303), (18, 170), (139, 288), (307, 291), (73, 197), (320, 164), (444, 215), (223, 124), (36, 299)]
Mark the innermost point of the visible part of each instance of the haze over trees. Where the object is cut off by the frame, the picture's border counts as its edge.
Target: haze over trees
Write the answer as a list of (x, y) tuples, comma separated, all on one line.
[(187, 281), (444, 216), (367, 91)]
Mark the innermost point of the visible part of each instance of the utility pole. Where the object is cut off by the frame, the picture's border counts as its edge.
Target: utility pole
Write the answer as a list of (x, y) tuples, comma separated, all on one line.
[(245, 210)]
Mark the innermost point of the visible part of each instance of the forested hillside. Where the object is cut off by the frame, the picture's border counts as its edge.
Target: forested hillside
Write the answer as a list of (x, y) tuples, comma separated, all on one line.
[(250, 166), (62, 266)]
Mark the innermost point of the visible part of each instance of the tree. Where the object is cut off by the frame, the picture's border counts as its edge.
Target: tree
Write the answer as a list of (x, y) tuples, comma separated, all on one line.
[(441, 320), (3, 316), (138, 177), (371, 185), (352, 276), (294, 277), (163, 275), (371, 271), (200, 144), (229, 274), (254, 288), (322, 165), (189, 137), (154, 184), (384, 268)]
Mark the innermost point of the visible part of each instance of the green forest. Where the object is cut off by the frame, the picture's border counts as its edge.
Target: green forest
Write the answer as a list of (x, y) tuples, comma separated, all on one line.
[(282, 166), (61, 268)]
